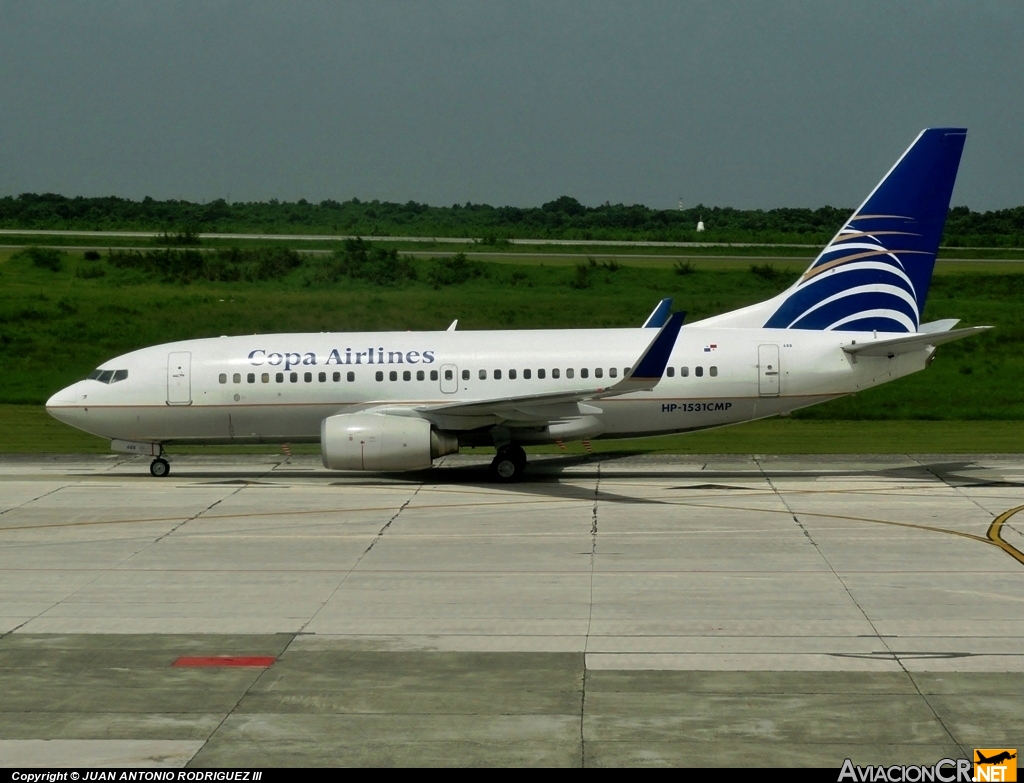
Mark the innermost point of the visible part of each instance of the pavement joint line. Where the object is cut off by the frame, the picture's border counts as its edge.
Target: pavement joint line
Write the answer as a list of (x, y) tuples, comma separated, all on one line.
[(117, 566), (44, 611), (911, 525), (590, 618), (102, 571), (241, 698), (33, 500), (297, 512), (355, 565), (517, 501), (883, 639)]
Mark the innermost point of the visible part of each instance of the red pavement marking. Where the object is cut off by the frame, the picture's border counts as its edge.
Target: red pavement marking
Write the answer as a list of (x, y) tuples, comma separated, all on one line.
[(226, 660)]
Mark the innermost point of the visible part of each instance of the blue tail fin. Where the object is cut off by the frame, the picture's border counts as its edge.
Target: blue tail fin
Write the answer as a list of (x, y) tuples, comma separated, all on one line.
[(874, 274)]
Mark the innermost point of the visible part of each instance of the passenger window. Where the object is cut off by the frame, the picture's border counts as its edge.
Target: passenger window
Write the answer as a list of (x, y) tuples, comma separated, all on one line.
[(420, 375), (585, 373), (294, 378), (251, 378), (497, 375), (447, 375), (569, 373), (279, 377), (351, 377), (598, 372), (393, 375), (670, 372), (223, 378), (511, 375), (322, 377), (684, 372), (526, 374), (465, 375), (713, 370), (541, 374), (698, 371), (265, 378), (236, 378), (556, 373), (483, 375), (307, 377), (406, 375), (119, 375), (433, 375), (380, 375)]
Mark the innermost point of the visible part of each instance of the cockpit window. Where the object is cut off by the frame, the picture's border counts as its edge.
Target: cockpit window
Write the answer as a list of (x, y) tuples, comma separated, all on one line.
[(108, 376)]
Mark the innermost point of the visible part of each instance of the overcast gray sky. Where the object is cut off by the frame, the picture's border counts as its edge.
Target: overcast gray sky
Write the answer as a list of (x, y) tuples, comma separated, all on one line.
[(728, 103)]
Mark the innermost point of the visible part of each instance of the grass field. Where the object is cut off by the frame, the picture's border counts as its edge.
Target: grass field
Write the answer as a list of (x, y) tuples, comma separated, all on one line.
[(55, 326)]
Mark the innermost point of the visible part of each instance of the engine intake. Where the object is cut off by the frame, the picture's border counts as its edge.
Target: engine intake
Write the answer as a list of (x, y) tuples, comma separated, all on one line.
[(380, 441)]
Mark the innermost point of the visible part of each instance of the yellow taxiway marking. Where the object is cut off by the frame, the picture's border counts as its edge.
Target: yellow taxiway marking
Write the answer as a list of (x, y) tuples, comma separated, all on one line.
[(995, 534)]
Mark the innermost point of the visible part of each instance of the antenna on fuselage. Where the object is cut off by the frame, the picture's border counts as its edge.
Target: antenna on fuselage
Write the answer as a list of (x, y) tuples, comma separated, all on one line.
[(452, 327)]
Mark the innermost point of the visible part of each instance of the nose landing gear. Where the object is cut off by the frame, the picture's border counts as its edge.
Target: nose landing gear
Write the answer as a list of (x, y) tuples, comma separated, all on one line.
[(509, 463), (159, 467)]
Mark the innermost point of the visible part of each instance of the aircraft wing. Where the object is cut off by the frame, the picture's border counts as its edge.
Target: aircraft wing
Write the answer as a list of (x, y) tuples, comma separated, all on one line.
[(910, 343), (554, 406)]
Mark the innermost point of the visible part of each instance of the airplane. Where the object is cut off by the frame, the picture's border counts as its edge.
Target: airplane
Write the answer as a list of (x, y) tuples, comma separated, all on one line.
[(396, 401), (996, 759)]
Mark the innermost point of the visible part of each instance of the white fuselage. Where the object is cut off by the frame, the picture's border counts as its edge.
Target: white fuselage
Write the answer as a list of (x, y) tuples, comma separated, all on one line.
[(279, 388)]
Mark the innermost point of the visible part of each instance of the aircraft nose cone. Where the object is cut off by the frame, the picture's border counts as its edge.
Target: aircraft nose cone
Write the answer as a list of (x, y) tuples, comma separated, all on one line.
[(62, 404), (59, 400)]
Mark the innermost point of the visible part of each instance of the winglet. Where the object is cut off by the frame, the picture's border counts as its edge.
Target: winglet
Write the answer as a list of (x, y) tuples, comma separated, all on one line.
[(659, 315), (649, 368)]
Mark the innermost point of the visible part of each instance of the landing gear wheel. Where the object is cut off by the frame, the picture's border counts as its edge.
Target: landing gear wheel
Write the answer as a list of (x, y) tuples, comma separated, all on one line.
[(159, 467), (509, 464)]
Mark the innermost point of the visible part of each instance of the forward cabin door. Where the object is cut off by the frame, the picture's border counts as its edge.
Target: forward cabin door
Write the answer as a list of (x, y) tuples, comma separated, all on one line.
[(768, 370), (179, 378), (449, 378)]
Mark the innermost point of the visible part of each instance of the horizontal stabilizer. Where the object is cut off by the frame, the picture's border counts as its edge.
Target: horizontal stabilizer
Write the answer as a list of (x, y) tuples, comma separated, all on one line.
[(911, 343)]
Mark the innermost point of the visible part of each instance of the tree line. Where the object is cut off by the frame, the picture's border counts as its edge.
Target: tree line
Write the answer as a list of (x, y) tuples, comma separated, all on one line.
[(562, 218)]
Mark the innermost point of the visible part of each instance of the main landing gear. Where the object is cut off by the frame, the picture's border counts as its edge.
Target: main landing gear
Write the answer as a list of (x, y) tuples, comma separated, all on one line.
[(509, 463), (159, 467)]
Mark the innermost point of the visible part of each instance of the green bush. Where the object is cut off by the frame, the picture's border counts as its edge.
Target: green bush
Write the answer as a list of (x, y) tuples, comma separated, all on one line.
[(453, 270), (359, 260), (44, 257)]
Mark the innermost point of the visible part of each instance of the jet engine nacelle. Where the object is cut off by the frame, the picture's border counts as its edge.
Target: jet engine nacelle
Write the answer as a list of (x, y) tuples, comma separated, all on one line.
[(379, 441)]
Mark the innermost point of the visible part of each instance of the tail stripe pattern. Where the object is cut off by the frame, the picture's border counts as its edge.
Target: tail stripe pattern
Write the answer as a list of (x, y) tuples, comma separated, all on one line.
[(875, 273)]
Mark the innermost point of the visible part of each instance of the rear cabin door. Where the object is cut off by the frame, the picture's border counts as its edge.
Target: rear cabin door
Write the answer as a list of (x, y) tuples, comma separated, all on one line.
[(768, 370), (449, 378), (179, 378)]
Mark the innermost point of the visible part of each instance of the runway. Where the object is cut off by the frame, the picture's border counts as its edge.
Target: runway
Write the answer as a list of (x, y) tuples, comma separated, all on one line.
[(714, 610)]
